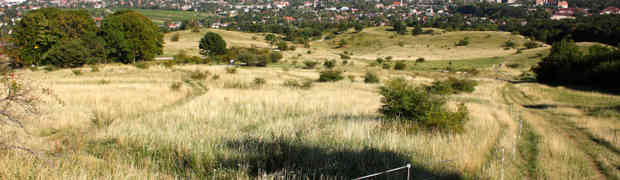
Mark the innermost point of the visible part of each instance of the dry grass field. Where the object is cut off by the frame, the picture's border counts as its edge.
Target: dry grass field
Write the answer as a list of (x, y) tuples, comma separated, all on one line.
[(123, 122)]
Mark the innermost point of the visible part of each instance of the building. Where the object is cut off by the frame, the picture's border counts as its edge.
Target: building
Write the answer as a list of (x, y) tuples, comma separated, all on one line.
[(563, 4)]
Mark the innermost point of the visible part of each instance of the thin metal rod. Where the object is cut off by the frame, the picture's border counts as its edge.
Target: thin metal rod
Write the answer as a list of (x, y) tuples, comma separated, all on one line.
[(408, 166)]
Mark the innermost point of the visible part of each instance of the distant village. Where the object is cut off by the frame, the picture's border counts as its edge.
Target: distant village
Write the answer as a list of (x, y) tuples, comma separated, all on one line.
[(224, 12)]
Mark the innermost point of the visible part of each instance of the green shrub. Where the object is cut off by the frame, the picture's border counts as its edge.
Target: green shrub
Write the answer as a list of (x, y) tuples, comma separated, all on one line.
[(175, 37), (531, 45), (351, 77), (94, 68), (452, 86), (176, 86), (387, 66), (345, 62), (400, 65), (142, 65), (231, 70), (215, 77), (259, 81), (198, 75), (329, 64), (236, 85), (403, 103), (292, 83), (513, 65), (379, 60), (310, 64), (68, 54), (463, 42), (330, 75), (510, 44), (77, 72), (371, 77), (345, 56), (420, 60)]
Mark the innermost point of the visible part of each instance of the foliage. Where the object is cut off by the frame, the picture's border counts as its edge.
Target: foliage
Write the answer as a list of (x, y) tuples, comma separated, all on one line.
[(67, 54), (41, 30), (175, 37), (198, 75), (142, 65), (259, 81), (310, 64), (329, 64), (231, 70), (330, 75), (254, 56), (417, 30), (379, 60), (510, 44), (464, 41), (292, 83), (283, 46), (19, 100), (531, 45), (452, 86), (566, 64), (212, 44), (400, 65), (371, 77), (76, 72), (420, 60), (176, 86), (387, 66), (131, 37), (407, 104)]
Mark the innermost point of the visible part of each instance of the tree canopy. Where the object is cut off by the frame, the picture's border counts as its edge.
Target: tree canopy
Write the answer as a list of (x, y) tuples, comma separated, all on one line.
[(131, 37), (212, 44)]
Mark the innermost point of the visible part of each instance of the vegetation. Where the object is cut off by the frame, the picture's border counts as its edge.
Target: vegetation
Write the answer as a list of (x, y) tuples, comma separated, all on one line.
[(371, 77), (452, 86), (409, 105), (330, 75), (566, 64), (212, 44), (131, 37)]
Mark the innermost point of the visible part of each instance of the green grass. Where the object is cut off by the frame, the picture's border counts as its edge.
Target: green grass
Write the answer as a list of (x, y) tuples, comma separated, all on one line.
[(457, 64), (159, 16)]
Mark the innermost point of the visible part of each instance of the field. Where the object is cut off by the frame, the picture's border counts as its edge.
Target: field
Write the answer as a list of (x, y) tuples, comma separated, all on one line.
[(124, 122), (160, 16)]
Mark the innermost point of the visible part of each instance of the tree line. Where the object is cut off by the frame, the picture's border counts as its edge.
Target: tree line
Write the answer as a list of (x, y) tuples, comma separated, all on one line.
[(50, 36)]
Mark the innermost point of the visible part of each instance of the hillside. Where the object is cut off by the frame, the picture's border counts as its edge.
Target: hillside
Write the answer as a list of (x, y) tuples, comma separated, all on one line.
[(188, 40)]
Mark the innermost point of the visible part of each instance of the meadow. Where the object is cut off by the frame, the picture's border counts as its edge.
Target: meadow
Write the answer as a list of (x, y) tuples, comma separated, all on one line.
[(207, 122)]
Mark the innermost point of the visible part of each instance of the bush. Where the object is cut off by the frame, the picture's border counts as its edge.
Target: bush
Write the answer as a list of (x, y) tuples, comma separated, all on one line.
[(531, 45), (310, 64), (68, 54), (403, 103), (400, 65), (236, 85), (510, 44), (231, 70), (292, 83), (77, 72), (452, 86), (463, 42), (387, 66), (566, 64), (351, 77), (176, 86), (142, 65), (175, 37), (329, 64), (330, 76), (345, 56), (198, 75), (379, 60), (371, 77), (420, 60), (94, 68), (215, 77), (259, 81)]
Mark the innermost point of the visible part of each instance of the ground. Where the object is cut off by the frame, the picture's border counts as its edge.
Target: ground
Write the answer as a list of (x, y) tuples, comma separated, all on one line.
[(123, 122)]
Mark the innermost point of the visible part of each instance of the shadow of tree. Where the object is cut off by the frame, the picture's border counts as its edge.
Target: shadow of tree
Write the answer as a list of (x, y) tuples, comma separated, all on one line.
[(310, 161)]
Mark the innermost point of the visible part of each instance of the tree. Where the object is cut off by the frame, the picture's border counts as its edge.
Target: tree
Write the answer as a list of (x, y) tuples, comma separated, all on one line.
[(399, 27), (212, 44), (68, 54), (40, 30), (131, 36)]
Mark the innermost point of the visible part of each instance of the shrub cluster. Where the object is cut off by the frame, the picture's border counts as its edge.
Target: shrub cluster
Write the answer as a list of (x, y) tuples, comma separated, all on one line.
[(404, 103), (400, 65), (463, 42), (452, 86), (254, 56), (567, 65), (371, 77), (330, 75), (292, 83)]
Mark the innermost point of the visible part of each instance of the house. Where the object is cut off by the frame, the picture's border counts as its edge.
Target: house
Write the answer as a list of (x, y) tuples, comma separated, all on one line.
[(308, 3), (610, 10), (289, 18), (379, 6), (563, 4)]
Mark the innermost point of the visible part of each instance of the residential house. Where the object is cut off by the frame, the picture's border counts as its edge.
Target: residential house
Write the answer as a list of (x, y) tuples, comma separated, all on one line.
[(610, 10)]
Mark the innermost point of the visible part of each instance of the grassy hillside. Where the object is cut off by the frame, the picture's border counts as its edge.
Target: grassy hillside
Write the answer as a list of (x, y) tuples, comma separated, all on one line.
[(188, 40), (160, 16), (123, 122), (378, 42)]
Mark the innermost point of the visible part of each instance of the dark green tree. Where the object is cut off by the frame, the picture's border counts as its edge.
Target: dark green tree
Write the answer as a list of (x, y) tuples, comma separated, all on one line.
[(40, 30), (212, 44), (131, 36), (417, 30), (71, 53)]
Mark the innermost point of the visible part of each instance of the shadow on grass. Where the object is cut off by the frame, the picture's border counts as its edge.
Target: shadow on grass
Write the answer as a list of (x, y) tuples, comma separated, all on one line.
[(313, 162)]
